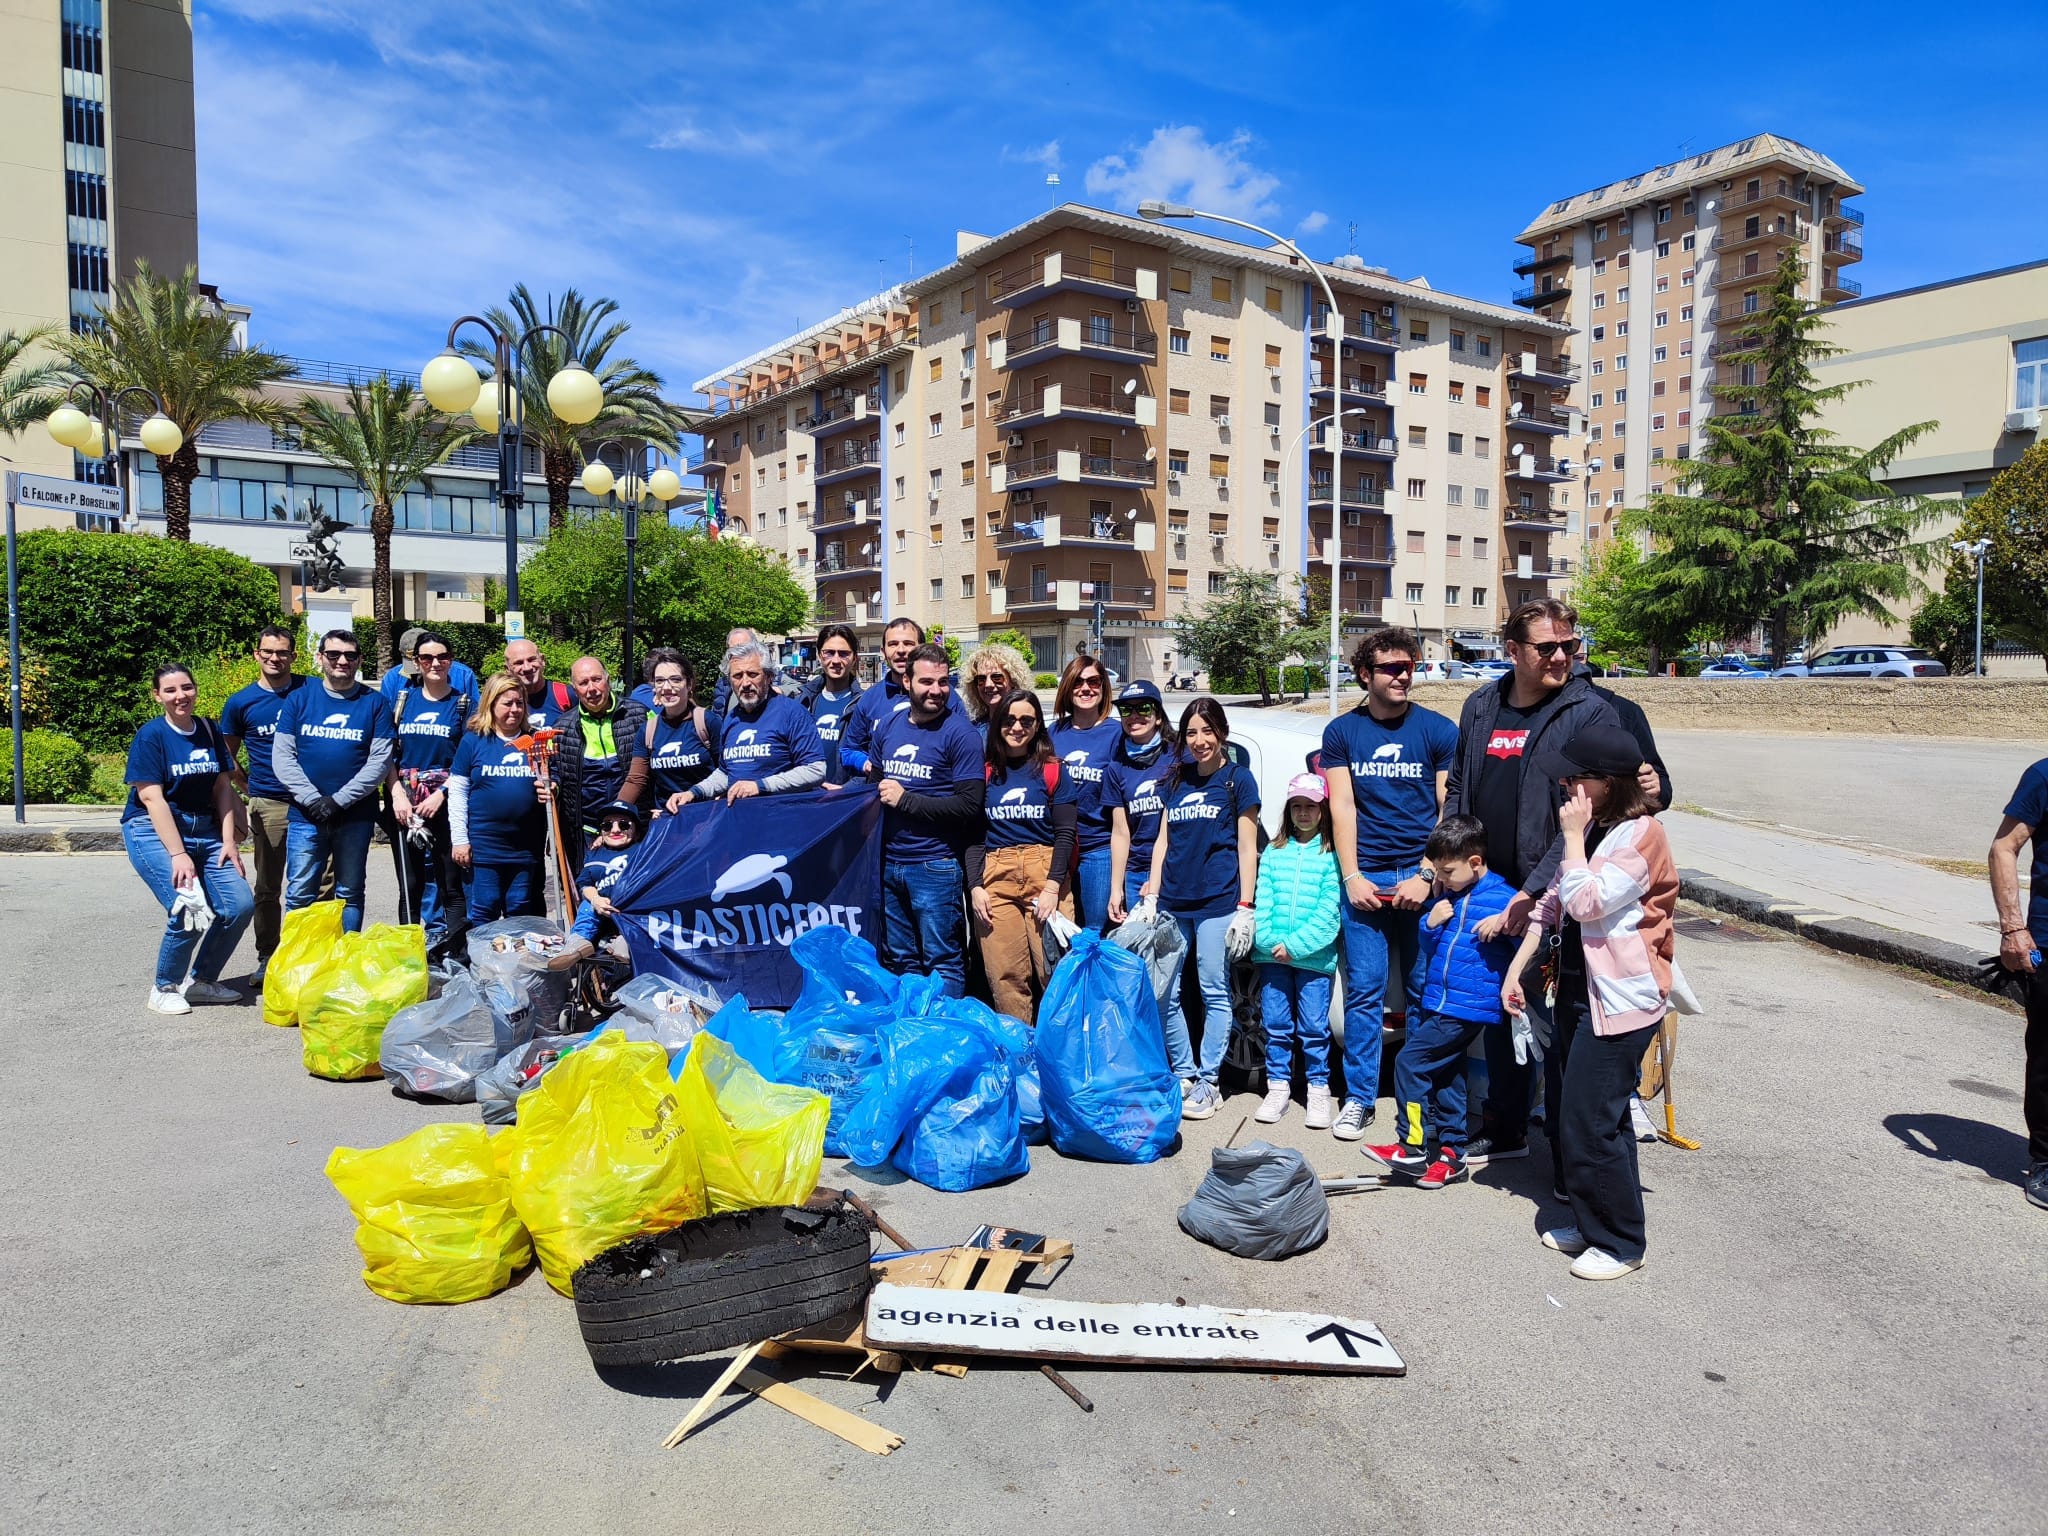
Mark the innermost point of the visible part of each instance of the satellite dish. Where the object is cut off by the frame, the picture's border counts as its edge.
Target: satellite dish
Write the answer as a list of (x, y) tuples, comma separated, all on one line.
[(1151, 454), (1131, 514), (1515, 409), (1707, 206), (1130, 386)]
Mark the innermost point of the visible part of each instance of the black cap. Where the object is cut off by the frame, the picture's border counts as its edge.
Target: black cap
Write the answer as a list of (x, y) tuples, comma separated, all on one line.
[(1140, 691), (627, 806), (1607, 750)]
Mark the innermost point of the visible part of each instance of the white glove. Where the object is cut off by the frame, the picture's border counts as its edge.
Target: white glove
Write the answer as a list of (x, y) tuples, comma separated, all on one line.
[(1062, 927), (190, 910), (1146, 911), (1524, 1036), (1237, 938)]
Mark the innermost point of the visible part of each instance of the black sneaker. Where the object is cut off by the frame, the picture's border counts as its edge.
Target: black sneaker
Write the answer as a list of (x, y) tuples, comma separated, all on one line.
[(2036, 1184), (1481, 1150)]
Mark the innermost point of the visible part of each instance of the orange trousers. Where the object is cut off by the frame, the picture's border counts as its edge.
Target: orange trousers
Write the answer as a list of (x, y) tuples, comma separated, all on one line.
[(1013, 951)]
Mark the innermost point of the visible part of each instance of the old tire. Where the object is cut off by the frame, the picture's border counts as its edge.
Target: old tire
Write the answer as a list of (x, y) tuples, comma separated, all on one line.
[(723, 1281)]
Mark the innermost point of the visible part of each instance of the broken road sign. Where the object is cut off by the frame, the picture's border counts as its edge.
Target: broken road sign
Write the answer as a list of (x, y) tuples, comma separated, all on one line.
[(974, 1323)]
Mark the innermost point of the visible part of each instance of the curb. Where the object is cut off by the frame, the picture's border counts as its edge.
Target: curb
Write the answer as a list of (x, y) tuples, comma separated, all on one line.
[(1850, 935), (61, 839)]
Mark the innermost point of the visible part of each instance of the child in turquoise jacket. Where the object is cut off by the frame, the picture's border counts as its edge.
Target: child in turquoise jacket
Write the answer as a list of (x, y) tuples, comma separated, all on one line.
[(1297, 916)]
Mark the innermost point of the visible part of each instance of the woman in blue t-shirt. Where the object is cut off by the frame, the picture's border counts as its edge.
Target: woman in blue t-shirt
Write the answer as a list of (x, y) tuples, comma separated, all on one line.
[(1017, 869), (677, 748), (1205, 867), (1134, 790), (497, 816), (183, 830), (431, 716), (1085, 736)]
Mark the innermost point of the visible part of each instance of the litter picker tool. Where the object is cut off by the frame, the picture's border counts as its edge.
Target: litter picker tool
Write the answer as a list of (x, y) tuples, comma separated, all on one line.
[(540, 747)]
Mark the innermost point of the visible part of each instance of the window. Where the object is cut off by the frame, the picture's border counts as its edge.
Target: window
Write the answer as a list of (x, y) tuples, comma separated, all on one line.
[(1272, 357), (1664, 284), (938, 312), (1219, 290), (995, 404), (1273, 414), (1482, 498), (1621, 294), (967, 584), (1663, 213), (1176, 462), (1457, 341), (1415, 493), (1183, 281), (1418, 437), (899, 487), (935, 426), (1656, 387), (2029, 374), (900, 599), (1598, 367), (1684, 420), (902, 541), (803, 513), (1455, 442), (1657, 423), (1620, 461), (1621, 429), (1686, 206), (966, 530), (1219, 349), (1593, 432), (1685, 347), (902, 380), (1600, 266), (899, 434), (782, 469), (1663, 318), (1621, 362), (938, 369), (1685, 315), (1621, 397), (1451, 596), (1482, 447), (1599, 301), (1596, 402), (1454, 546), (1454, 496), (1177, 341), (1485, 350), (1418, 383), (1622, 259), (1599, 231), (1273, 299), (967, 416), (782, 517), (1663, 249), (1217, 582), (1219, 407), (1414, 591), (1177, 402), (1483, 396), (1620, 329), (1457, 388), (1480, 549), (1479, 597), (938, 589), (1687, 244), (967, 299), (1658, 355), (1176, 581), (1614, 498), (1418, 328), (1599, 333), (967, 471)]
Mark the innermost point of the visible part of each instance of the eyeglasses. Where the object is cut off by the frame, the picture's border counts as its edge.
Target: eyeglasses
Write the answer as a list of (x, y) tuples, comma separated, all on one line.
[(271, 655), (1139, 709), (1394, 668), (669, 684), (1549, 648), (351, 657)]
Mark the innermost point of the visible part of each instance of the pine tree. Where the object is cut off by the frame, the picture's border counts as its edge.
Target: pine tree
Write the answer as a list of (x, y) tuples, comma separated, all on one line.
[(1779, 524)]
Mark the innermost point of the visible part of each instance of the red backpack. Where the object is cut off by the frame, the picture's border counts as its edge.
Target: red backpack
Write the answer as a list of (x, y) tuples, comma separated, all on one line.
[(1052, 774)]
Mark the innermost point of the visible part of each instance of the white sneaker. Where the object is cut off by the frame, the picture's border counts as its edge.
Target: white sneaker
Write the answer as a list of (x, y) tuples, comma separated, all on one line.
[(1202, 1102), (1318, 1116), (165, 1000), (1599, 1264), (204, 992), (1187, 1087), (1565, 1240), (1273, 1105), (1639, 1118), (1352, 1120)]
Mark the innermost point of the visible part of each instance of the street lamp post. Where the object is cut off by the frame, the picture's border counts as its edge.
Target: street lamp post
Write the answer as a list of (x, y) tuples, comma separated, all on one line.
[(629, 492), (452, 384), (1976, 549), (1156, 212)]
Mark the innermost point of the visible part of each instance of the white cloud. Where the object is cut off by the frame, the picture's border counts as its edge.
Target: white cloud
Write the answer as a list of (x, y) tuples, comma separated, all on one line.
[(1181, 165), (1315, 223), (1046, 154)]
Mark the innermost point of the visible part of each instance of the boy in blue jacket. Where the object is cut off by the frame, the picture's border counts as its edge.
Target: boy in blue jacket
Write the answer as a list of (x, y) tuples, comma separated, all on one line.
[(1460, 996)]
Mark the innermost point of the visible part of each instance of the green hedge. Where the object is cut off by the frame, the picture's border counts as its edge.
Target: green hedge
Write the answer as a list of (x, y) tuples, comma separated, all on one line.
[(55, 768), (101, 610), (1279, 680), (1046, 680)]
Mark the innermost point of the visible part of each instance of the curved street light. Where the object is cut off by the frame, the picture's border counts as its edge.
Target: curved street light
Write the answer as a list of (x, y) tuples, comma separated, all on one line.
[(98, 434), (1154, 211), (451, 383), (629, 490)]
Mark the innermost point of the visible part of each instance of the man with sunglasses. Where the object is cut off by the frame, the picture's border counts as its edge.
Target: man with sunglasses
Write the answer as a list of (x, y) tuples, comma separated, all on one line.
[(332, 746), (1386, 763), (1511, 739), (250, 719)]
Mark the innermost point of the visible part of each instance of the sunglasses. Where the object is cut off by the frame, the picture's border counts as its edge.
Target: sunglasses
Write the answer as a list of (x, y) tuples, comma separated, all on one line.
[(1394, 668), (616, 824), (1092, 684), (1029, 722), (430, 658), (338, 656), (1549, 648), (1138, 709)]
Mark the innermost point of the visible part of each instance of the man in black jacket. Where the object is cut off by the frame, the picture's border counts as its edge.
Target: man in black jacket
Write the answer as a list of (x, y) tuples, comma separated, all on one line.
[(608, 726), (1511, 737)]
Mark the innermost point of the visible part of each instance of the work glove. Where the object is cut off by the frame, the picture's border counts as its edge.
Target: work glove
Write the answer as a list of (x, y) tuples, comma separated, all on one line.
[(190, 911), (1063, 928), (1531, 1036), (1237, 938), (322, 810), (1146, 911)]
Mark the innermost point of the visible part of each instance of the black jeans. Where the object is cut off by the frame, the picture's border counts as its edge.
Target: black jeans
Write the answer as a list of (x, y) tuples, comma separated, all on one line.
[(1594, 1146), (1505, 1115), (2037, 1068)]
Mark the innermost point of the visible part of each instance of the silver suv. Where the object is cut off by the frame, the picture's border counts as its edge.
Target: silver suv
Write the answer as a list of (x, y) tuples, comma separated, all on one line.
[(1867, 661)]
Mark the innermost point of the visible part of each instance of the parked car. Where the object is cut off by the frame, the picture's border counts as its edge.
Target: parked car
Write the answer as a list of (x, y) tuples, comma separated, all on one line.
[(1493, 668), (1724, 668), (1867, 661), (1439, 670)]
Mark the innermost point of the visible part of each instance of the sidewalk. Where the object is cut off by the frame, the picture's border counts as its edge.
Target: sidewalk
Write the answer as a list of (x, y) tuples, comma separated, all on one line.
[(62, 829)]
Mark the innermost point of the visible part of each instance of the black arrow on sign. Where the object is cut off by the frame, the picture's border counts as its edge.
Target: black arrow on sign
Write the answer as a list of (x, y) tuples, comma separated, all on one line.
[(1344, 1336)]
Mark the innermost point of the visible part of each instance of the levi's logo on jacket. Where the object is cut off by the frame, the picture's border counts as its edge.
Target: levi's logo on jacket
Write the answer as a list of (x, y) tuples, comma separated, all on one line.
[(1507, 743)]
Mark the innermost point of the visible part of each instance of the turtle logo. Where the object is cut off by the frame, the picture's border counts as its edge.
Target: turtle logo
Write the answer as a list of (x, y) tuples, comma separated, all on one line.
[(1014, 797), (755, 869), (742, 737), (1391, 750), (907, 750), (340, 719)]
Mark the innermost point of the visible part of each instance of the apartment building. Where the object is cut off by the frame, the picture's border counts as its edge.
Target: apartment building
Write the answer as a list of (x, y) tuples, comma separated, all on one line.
[(1079, 426), (97, 166), (1650, 274)]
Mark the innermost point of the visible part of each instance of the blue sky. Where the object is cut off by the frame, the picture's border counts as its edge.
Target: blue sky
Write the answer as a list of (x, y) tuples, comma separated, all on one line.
[(730, 174)]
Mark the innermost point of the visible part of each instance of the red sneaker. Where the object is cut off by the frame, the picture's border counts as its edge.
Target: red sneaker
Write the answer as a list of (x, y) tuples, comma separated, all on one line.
[(1449, 1168), (1398, 1158)]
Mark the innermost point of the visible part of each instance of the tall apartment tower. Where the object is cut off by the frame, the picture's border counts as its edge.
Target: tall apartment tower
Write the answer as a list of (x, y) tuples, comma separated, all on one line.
[(1652, 272), (97, 161), (1077, 427)]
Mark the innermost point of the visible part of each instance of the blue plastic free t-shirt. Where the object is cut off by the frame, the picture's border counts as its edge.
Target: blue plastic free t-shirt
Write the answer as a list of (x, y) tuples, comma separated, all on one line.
[(429, 729), (251, 714), (1085, 755), (1393, 766), (782, 737), (333, 736), (927, 758), (1201, 840), (1140, 788), (186, 766), (1019, 807), (679, 756), (506, 822)]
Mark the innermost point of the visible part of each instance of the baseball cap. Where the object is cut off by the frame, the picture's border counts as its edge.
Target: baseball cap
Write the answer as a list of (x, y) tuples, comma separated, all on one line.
[(1308, 786), (1607, 750), (625, 806), (1141, 692)]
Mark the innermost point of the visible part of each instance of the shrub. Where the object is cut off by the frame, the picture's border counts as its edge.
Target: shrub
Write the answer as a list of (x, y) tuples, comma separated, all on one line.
[(109, 779), (219, 678), (1046, 680), (102, 610), (54, 768), (35, 691), (1016, 639)]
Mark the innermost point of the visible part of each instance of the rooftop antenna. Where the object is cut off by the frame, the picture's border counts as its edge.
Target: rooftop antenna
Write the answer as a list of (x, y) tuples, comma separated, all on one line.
[(912, 243), (1354, 237), (1052, 184)]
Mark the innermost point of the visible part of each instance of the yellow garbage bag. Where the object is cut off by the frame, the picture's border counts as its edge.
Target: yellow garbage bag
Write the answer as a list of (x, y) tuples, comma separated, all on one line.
[(602, 1155), (306, 944), (759, 1143), (344, 1006), (436, 1215)]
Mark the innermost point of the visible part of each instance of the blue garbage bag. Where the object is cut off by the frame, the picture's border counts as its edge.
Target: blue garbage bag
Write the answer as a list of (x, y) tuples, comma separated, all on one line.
[(1108, 1092), (919, 1057), (841, 1065), (1012, 1038), (970, 1136), (843, 980), (764, 1041)]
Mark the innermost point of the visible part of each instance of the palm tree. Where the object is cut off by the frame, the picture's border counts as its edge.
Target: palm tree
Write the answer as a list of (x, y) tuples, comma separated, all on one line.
[(29, 391), (166, 336), (387, 437), (634, 411)]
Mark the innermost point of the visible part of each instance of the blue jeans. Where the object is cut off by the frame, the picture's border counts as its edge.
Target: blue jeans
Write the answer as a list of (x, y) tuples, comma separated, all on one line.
[(1376, 943), (1212, 970), (1134, 883), (308, 847), (226, 892), (1296, 1007), (1429, 1078), (924, 926), (1091, 889), (507, 890)]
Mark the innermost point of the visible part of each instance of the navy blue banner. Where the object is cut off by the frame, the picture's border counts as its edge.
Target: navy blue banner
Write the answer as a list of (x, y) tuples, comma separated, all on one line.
[(718, 893)]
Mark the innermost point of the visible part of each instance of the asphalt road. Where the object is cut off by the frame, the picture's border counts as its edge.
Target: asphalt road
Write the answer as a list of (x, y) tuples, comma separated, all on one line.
[(1838, 1328)]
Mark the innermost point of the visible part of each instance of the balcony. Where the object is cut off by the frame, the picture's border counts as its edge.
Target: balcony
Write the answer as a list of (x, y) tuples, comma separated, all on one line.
[(1557, 372), (1365, 391), (837, 415), (1844, 214), (1522, 466), (1773, 191), (834, 567), (1551, 419), (1530, 263), (1785, 229), (1024, 407), (1075, 468), (1360, 548), (1078, 597), (851, 459), (1835, 288), (1535, 517), (1541, 568), (1361, 495), (1373, 446), (1844, 245), (1551, 290), (1735, 346), (1096, 336), (1368, 331), (1070, 271), (1731, 274), (852, 512), (1055, 530)]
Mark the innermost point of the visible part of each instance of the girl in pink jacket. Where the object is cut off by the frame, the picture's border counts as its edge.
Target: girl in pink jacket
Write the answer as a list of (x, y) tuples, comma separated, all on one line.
[(1607, 918)]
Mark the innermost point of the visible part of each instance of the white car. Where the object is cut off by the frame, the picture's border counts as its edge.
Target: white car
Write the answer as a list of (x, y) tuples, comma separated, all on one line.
[(1439, 670)]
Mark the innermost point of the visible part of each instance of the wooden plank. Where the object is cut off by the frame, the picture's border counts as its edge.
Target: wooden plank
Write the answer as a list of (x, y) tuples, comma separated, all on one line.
[(716, 1390), (851, 1428)]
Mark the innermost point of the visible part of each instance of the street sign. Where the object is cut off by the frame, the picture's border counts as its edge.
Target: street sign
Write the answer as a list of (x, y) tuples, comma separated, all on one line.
[(515, 625), (54, 495), (303, 551), (971, 1323)]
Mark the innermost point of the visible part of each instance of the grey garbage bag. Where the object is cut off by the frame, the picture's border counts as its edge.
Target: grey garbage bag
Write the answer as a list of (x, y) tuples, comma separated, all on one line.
[(662, 1010), (435, 1049), (1258, 1202), (1159, 942), (500, 1088)]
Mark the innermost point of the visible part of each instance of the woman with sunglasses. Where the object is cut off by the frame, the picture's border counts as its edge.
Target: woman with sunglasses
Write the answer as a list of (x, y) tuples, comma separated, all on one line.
[(430, 715), (497, 809), (1134, 789), (1085, 736), (1016, 872), (990, 673), (678, 747)]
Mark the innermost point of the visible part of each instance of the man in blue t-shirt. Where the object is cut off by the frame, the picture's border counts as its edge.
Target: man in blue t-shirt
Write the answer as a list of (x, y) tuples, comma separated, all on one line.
[(249, 719), (1386, 762), (2021, 933), (833, 692), (332, 745), (768, 744), (928, 762), (889, 695)]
